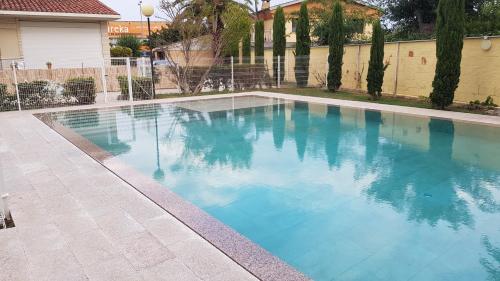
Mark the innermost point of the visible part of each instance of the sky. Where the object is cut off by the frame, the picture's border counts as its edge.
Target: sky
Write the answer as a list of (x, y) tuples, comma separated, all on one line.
[(129, 9)]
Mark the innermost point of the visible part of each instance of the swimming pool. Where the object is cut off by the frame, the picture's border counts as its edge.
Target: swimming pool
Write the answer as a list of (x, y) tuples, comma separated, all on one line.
[(338, 193)]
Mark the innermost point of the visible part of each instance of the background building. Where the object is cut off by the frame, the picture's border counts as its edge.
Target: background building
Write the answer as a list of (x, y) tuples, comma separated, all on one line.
[(63, 33), (292, 8), (135, 28)]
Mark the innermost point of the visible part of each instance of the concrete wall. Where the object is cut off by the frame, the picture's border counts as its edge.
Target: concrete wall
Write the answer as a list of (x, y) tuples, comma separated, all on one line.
[(411, 73)]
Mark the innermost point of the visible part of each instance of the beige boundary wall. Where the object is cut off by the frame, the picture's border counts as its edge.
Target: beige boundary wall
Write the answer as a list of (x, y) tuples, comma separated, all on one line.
[(411, 68)]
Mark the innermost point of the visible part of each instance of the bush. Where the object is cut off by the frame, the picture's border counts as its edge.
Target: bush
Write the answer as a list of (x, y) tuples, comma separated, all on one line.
[(3, 90), (488, 103), (245, 77), (35, 94), (7, 102), (131, 42), (120, 51), (142, 88), (81, 88)]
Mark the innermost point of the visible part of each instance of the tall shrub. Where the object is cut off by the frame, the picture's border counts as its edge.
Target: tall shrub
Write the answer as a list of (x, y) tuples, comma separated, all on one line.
[(449, 43), (279, 43), (375, 77), (303, 47), (246, 49), (259, 41), (132, 42), (336, 48), (234, 51)]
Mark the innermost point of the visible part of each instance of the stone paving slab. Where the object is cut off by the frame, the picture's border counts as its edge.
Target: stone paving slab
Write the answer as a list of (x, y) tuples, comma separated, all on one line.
[(75, 220)]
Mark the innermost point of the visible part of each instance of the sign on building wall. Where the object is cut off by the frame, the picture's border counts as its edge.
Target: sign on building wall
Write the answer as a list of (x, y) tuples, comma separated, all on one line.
[(135, 28)]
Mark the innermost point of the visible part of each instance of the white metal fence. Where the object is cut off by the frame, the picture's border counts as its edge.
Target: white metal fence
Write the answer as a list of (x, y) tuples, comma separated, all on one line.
[(129, 79)]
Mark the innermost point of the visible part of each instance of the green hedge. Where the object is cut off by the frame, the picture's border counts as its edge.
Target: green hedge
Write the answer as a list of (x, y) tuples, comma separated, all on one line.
[(246, 76), (7, 102), (46, 94), (142, 88), (83, 89), (3, 90), (36, 94)]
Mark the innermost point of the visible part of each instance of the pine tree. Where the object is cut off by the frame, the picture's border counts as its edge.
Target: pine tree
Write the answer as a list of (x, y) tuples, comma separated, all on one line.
[(303, 47), (449, 43), (279, 43), (246, 49), (259, 41), (375, 77), (336, 48)]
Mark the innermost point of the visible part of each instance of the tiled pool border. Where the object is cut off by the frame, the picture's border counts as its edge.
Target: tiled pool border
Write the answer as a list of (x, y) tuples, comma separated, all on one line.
[(256, 260), (250, 256)]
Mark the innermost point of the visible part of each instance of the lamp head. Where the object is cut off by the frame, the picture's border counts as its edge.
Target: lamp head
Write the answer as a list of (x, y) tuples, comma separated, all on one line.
[(147, 10)]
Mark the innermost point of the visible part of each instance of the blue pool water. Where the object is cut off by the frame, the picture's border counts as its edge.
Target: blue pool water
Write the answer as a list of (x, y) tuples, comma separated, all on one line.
[(338, 193)]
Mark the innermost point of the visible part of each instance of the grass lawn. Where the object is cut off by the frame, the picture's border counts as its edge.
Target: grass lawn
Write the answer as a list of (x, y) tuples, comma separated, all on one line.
[(316, 92)]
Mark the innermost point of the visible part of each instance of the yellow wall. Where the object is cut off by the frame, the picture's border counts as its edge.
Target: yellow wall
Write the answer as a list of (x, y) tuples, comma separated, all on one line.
[(479, 79), (9, 39)]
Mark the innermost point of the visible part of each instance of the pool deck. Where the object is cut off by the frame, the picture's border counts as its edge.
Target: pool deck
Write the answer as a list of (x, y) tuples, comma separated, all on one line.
[(75, 220)]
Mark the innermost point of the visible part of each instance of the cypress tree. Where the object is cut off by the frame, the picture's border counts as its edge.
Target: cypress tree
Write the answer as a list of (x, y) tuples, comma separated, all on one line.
[(234, 51), (279, 43), (259, 41), (303, 47), (449, 42), (375, 77), (246, 49), (336, 47)]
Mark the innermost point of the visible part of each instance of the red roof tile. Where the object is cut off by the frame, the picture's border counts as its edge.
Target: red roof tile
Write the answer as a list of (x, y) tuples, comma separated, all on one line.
[(57, 6)]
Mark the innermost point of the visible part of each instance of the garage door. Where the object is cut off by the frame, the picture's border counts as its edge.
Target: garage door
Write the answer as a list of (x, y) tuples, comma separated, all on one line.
[(63, 44)]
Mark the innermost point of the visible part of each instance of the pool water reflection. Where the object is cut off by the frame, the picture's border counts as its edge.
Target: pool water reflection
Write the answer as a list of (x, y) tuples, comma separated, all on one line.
[(338, 193)]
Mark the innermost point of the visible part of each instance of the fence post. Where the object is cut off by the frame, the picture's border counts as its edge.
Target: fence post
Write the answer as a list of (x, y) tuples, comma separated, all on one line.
[(279, 71), (232, 73), (143, 67), (104, 83), (129, 79), (16, 85)]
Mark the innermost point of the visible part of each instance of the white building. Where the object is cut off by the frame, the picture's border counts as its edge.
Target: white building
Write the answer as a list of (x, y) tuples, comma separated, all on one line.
[(64, 33)]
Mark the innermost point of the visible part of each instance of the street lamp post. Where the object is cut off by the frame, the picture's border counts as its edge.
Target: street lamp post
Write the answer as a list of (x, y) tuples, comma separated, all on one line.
[(148, 11)]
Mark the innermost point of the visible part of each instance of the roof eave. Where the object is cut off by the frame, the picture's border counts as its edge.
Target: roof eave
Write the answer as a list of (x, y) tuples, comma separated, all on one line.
[(294, 2), (56, 15)]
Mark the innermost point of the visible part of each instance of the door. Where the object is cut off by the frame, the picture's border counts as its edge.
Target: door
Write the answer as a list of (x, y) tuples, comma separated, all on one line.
[(63, 44)]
